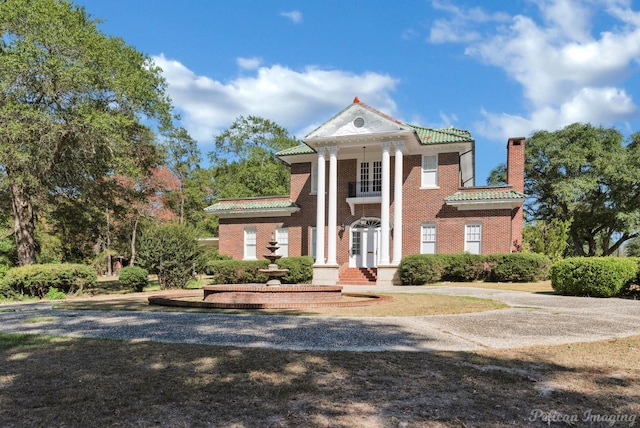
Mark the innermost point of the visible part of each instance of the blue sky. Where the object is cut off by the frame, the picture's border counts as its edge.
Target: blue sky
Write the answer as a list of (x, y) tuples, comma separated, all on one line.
[(500, 68)]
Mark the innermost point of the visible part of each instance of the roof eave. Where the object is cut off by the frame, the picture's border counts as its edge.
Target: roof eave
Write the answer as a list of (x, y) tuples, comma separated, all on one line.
[(256, 212), (483, 204)]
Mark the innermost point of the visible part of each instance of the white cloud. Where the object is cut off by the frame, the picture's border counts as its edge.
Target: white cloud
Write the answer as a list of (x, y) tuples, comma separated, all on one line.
[(569, 72), (293, 99), (458, 28), (249, 63), (599, 106), (294, 15)]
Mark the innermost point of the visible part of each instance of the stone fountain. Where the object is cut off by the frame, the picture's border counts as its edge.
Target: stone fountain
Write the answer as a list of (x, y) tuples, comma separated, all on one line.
[(272, 295), (273, 271)]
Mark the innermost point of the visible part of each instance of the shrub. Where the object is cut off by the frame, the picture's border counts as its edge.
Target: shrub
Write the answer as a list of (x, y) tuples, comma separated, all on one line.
[(8, 252), (419, 269), (592, 276), (35, 280), (172, 252), (54, 294), (236, 271), (248, 271), (6, 292), (134, 277), (300, 269), (464, 267), (518, 267)]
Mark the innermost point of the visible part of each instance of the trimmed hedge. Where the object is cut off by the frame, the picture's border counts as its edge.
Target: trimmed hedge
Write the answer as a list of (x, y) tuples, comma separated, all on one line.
[(519, 267), (134, 277), (35, 280), (593, 276), (247, 271), (419, 269), (464, 267)]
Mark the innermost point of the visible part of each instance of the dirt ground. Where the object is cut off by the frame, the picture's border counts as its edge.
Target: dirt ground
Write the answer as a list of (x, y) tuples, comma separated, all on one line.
[(79, 383), (70, 382)]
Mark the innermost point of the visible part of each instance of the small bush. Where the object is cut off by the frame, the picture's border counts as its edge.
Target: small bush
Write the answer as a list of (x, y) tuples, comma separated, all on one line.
[(54, 294), (518, 267), (35, 280), (173, 252), (134, 277), (592, 276), (300, 269), (420, 269), (637, 261), (236, 271), (6, 292)]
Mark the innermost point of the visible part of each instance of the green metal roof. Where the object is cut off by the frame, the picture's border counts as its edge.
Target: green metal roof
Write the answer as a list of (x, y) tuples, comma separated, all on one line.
[(487, 195), (301, 149), (250, 205), (441, 135)]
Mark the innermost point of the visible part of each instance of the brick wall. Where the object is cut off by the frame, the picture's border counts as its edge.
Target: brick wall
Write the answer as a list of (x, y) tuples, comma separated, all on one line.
[(500, 228)]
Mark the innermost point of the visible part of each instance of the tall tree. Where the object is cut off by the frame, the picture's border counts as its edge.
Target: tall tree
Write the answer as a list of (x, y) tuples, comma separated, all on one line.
[(195, 190), (498, 175), (587, 176), (244, 161), (72, 101)]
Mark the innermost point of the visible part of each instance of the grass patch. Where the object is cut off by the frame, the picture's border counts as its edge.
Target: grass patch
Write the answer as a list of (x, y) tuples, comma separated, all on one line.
[(530, 287), (36, 320), (87, 382), (402, 305)]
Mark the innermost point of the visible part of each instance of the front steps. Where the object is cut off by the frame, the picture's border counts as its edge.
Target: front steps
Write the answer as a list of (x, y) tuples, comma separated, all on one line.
[(358, 276)]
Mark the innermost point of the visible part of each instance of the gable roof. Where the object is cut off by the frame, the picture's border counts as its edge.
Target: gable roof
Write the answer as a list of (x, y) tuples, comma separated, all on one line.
[(424, 136)]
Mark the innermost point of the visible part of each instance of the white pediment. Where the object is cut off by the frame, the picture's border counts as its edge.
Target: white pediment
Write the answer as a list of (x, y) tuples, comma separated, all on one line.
[(357, 120)]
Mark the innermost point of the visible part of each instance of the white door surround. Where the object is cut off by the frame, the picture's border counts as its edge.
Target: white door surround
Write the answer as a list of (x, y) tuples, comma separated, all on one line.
[(364, 243)]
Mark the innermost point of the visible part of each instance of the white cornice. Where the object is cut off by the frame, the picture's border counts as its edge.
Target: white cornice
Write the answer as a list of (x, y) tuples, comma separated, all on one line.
[(258, 212), (502, 204)]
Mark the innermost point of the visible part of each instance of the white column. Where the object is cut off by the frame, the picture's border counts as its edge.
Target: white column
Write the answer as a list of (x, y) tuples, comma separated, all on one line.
[(384, 206), (397, 206), (333, 205), (320, 208)]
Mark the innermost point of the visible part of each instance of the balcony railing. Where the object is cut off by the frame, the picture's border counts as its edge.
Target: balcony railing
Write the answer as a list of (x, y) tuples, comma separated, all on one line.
[(364, 189)]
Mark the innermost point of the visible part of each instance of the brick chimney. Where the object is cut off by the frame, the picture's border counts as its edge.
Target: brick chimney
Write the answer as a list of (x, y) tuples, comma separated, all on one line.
[(515, 163), (515, 177)]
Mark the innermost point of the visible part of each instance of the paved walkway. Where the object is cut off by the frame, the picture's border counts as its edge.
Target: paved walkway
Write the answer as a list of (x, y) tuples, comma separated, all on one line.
[(533, 319)]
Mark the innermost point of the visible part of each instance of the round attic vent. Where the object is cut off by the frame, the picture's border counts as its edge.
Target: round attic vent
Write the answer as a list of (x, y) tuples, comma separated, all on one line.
[(358, 122)]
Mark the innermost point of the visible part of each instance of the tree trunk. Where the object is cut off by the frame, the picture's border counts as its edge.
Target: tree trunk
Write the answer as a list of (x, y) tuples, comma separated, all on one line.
[(577, 245), (134, 232), (24, 226)]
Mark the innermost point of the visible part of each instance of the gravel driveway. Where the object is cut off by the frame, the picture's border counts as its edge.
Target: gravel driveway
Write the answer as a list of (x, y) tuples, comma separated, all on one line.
[(532, 319)]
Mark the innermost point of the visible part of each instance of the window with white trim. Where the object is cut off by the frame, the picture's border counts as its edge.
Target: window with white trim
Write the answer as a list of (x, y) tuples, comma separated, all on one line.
[(356, 242), (429, 171), (428, 239), (282, 238), (314, 177), (473, 238), (250, 237)]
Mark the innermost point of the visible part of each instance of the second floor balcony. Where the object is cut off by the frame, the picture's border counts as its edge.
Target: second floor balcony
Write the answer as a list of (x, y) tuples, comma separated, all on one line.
[(364, 192), (365, 189)]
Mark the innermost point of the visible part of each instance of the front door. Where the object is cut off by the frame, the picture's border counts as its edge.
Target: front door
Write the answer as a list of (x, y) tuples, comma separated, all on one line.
[(364, 244)]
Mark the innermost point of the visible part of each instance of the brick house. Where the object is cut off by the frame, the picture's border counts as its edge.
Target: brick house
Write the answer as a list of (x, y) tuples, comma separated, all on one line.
[(380, 189)]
